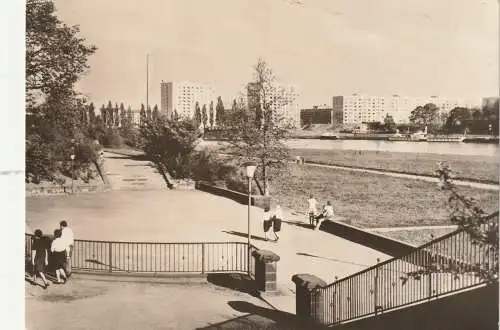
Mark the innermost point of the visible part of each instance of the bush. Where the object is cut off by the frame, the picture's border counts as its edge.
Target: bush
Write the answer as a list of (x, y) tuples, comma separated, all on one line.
[(112, 139), (206, 167)]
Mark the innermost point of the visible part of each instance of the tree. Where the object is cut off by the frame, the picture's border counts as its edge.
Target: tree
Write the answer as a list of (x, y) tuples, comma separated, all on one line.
[(109, 115), (176, 115), (91, 114), (148, 114), (456, 119), (56, 56), (169, 144), (116, 116), (425, 116), (123, 116), (130, 118), (103, 115), (204, 116), (219, 112), (261, 141), (142, 115), (389, 123), (55, 59), (156, 113), (197, 115), (211, 114)]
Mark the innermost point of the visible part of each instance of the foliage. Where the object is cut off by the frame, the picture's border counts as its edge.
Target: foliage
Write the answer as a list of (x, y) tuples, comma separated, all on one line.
[(219, 112), (156, 113), (56, 115), (55, 55), (206, 167), (258, 136), (112, 138), (426, 116), (211, 114), (389, 123), (204, 116), (197, 115), (169, 144)]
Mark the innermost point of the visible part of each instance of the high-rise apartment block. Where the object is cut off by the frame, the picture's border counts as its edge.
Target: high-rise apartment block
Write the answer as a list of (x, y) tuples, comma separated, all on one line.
[(357, 109), (182, 97), (282, 102)]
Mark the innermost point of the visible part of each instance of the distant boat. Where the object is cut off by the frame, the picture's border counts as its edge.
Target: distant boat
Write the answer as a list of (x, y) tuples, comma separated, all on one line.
[(415, 137), (328, 136)]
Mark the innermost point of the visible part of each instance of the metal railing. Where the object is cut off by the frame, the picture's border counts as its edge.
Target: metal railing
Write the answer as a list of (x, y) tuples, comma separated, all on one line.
[(158, 258), (443, 266)]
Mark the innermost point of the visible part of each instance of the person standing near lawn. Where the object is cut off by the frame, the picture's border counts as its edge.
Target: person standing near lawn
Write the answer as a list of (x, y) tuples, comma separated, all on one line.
[(39, 257), (326, 214), (277, 219), (312, 210), (266, 221), (68, 237), (59, 252)]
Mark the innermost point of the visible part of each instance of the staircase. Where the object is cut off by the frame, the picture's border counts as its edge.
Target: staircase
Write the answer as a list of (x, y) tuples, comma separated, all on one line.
[(127, 171)]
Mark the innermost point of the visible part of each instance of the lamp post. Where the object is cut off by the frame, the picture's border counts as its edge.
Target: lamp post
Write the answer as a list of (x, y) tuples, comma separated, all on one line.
[(72, 172), (250, 167)]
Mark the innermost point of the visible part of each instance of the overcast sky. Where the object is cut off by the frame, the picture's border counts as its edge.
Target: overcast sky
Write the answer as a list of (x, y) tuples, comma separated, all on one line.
[(325, 47)]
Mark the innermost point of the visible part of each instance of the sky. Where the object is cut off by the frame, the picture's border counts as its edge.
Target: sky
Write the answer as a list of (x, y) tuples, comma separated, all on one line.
[(323, 47)]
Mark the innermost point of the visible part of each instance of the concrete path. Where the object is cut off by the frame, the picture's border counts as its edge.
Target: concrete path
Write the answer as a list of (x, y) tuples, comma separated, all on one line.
[(478, 185), (389, 229), (190, 216)]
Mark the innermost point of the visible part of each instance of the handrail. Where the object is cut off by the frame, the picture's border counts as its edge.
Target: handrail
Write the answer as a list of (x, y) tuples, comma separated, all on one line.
[(443, 266)]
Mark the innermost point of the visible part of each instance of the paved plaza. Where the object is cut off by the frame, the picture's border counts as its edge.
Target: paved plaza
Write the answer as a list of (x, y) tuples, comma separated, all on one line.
[(194, 216)]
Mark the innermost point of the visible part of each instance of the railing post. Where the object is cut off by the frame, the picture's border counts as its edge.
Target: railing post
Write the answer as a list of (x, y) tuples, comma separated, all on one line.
[(375, 288), (110, 251), (429, 255), (203, 258)]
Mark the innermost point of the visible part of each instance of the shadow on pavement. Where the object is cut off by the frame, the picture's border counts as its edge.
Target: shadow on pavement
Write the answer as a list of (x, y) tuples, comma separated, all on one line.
[(237, 233), (300, 224), (260, 318), (235, 281)]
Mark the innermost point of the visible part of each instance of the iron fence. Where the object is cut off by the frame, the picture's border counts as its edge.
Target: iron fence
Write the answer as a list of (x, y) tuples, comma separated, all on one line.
[(448, 264), (157, 258)]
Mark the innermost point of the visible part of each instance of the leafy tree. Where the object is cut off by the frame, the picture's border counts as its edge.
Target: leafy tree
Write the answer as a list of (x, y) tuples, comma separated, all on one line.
[(55, 59), (116, 116), (91, 114), (169, 144), (123, 116), (204, 116), (211, 114), (130, 118), (456, 119), (109, 115), (425, 116), (264, 142), (148, 114), (103, 115), (142, 115), (389, 123), (156, 113), (491, 110), (176, 115), (219, 112), (477, 114), (197, 115), (56, 56)]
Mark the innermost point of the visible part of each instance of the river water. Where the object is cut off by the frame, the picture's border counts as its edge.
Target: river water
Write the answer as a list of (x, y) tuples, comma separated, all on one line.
[(465, 149)]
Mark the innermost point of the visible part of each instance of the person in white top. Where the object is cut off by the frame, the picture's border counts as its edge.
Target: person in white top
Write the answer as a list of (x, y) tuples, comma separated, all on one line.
[(58, 249), (326, 214), (312, 210), (68, 237), (277, 218)]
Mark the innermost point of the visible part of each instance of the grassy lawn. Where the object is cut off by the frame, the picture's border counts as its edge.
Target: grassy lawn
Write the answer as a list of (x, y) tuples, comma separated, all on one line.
[(418, 236), (476, 168), (369, 200)]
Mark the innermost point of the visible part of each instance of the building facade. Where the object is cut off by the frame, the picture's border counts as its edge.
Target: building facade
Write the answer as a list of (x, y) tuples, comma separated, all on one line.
[(316, 115), (182, 97), (282, 102), (357, 109)]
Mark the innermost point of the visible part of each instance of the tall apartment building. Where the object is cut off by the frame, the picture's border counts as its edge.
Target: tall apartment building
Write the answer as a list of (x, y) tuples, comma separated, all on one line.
[(359, 109), (182, 97), (283, 102)]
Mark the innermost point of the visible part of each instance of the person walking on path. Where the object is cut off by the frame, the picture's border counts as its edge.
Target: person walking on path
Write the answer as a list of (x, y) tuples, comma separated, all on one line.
[(312, 209), (327, 214), (39, 257), (277, 219), (266, 221), (59, 253), (68, 237)]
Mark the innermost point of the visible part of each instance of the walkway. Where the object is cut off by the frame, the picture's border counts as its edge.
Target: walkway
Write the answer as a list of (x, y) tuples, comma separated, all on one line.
[(487, 186), (176, 216)]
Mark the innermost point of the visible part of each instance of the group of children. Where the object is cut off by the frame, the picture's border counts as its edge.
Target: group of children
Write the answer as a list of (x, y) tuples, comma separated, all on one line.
[(61, 249)]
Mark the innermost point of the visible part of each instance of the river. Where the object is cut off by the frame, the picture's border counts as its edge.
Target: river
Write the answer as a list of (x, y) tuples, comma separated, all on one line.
[(465, 149)]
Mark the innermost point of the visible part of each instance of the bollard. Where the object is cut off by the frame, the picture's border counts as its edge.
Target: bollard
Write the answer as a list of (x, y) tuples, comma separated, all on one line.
[(309, 302), (265, 270)]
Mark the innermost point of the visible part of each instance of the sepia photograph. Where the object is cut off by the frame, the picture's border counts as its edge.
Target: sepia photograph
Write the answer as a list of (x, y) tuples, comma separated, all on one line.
[(261, 164)]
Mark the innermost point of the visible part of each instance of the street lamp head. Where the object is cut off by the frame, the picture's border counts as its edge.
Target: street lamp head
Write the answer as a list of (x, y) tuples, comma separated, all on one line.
[(250, 167)]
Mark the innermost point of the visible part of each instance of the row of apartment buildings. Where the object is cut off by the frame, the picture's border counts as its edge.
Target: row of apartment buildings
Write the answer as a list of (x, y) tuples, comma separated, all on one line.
[(357, 108), (181, 97)]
